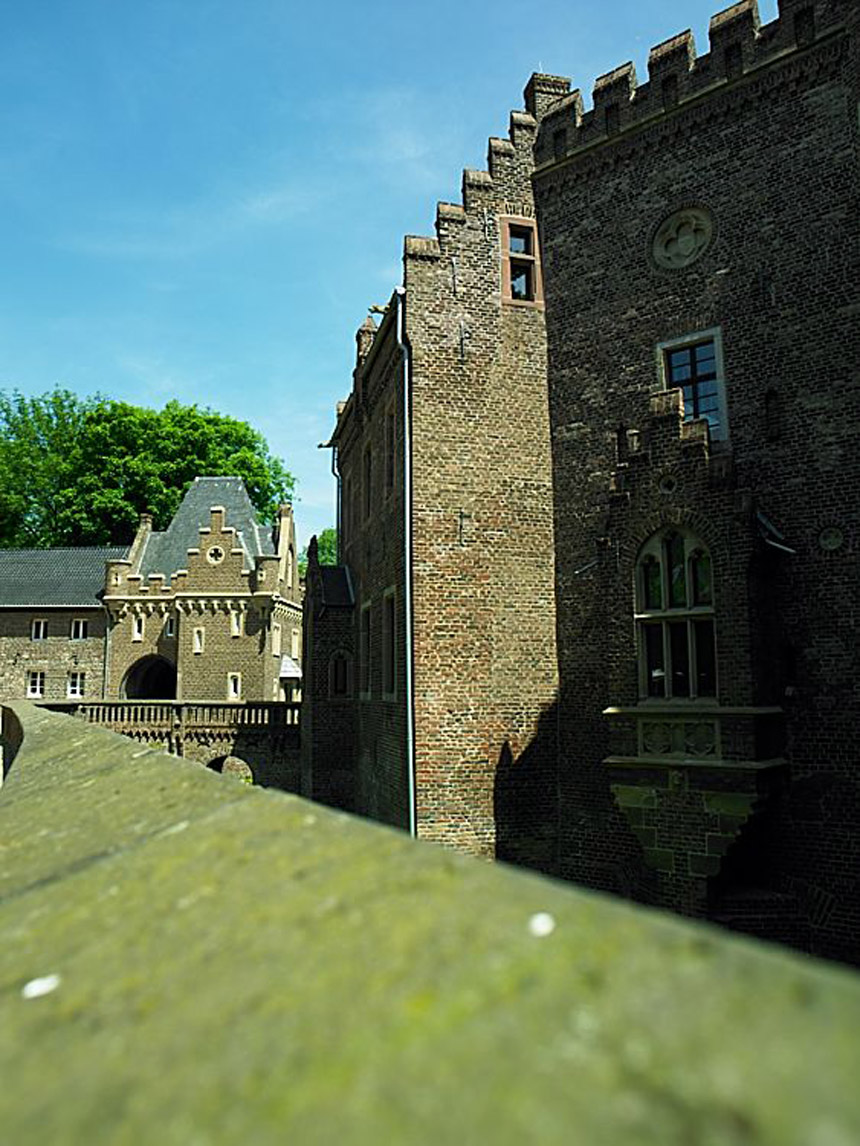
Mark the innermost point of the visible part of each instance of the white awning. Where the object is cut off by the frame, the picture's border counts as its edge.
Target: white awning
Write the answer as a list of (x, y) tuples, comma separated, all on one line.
[(289, 669)]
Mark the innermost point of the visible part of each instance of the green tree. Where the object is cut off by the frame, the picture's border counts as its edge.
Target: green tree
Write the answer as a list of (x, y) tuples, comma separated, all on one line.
[(326, 550), (81, 471)]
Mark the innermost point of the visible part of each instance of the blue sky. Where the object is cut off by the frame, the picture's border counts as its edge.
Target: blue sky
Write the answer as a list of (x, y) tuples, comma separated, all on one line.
[(199, 199)]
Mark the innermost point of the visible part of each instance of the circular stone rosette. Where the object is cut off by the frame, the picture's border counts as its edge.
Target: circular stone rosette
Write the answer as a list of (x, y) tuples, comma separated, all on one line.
[(682, 238)]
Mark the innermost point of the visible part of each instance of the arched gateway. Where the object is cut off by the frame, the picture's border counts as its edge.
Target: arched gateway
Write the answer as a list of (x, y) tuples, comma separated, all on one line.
[(150, 678)]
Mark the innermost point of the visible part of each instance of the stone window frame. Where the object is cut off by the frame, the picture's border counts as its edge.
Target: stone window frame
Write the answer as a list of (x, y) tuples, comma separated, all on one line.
[(79, 629), (198, 640), (276, 638), (389, 643), (290, 559), (234, 686), (714, 334), (694, 659), (39, 629), (236, 618), (170, 626), (365, 679), (138, 627), (36, 684), (76, 684), (295, 644), (345, 658), (529, 260)]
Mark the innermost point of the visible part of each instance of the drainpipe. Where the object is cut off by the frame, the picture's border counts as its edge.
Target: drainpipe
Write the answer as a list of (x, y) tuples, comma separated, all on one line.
[(400, 300), (338, 513)]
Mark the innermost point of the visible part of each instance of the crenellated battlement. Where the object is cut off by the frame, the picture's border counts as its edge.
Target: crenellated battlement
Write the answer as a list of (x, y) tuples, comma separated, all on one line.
[(739, 46)]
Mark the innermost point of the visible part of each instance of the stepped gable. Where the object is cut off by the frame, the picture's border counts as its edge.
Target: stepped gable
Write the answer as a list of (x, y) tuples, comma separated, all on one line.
[(167, 552), (505, 184), (55, 577), (739, 47)]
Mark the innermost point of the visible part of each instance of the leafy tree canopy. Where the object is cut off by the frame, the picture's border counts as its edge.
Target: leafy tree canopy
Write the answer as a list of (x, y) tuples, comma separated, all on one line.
[(326, 550), (80, 471)]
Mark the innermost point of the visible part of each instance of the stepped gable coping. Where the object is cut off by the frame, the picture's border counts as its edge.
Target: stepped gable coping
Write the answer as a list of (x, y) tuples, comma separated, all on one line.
[(739, 44), (543, 91), (522, 120), (498, 146), (421, 247), (450, 213), (477, 183)]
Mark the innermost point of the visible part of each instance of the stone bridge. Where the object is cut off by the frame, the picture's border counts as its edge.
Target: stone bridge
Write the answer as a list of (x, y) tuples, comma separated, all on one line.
[(264, 735)]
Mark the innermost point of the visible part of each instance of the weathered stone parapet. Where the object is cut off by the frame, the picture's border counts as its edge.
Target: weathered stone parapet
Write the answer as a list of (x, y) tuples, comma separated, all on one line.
[(186, 958)]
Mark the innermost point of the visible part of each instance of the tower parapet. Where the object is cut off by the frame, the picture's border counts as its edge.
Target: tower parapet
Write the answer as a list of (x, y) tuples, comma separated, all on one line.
[(739, 48)]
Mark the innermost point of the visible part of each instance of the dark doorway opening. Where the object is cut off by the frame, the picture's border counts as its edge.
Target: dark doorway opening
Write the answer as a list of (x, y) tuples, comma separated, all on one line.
[(152, 678)]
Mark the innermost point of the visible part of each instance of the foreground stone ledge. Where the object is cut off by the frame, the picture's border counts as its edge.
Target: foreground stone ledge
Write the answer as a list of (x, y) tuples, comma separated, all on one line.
[(187, 960)]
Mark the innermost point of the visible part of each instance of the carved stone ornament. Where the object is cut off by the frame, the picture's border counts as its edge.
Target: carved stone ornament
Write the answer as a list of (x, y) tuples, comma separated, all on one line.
[(215, 555), (682, 238)]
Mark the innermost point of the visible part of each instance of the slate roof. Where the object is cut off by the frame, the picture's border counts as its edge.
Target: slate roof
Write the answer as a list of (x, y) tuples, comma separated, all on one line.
[(336, 587), (54, 577), (168, 551)]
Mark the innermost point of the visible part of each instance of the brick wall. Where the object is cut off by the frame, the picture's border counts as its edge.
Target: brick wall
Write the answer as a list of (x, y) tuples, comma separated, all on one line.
[(761, 137)]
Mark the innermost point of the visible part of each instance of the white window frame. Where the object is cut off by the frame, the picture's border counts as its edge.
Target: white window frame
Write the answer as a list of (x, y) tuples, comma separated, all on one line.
[(276, 639), (79, 629), (36, 684), (138, 626), (39, 629), (236, 617), (295, 645), (234, 686), (76, 684), (713, 334), (198, 640)]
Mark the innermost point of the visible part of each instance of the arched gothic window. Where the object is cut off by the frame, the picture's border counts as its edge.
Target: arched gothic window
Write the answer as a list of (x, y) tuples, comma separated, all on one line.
[(675, 618)]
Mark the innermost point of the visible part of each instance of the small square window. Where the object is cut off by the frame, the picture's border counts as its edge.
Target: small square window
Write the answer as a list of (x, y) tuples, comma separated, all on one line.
[(521, 241), (79, 629), (35, 685), (522, 281), (39, 630)]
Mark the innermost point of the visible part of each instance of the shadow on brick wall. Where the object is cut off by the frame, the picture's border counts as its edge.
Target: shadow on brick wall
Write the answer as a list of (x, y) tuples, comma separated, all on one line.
[(525, 800)]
